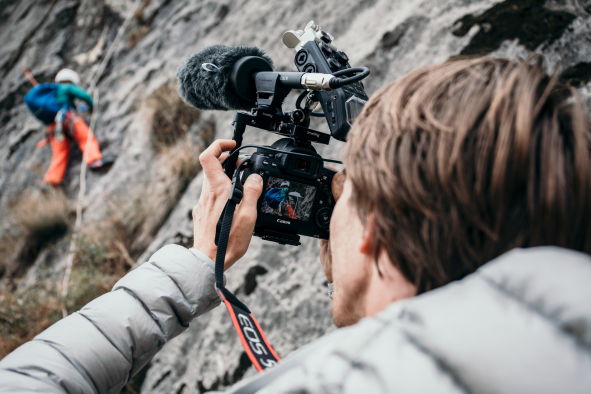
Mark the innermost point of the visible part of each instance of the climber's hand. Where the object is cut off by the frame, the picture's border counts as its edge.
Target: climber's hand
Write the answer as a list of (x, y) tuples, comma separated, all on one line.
[(214, 195)]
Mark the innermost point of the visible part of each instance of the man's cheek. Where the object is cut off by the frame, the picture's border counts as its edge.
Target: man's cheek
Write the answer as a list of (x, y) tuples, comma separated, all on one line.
[(328, 268), (331, 255), (326, 259)]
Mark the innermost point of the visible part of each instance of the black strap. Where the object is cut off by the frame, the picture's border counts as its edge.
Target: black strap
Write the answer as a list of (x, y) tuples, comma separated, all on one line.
[(257, 348)]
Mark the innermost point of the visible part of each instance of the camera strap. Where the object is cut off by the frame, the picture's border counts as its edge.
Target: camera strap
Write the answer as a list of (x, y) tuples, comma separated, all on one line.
[(253, 339)]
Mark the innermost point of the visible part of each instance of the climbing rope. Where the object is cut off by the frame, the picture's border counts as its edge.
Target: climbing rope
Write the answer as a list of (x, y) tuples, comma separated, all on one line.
[(93, 118)]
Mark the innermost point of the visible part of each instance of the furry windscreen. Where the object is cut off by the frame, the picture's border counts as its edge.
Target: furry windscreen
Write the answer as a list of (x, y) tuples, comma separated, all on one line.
[(213, 89)]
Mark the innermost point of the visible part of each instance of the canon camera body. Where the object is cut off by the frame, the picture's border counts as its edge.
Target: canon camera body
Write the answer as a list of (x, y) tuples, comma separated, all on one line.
[(296, 198)]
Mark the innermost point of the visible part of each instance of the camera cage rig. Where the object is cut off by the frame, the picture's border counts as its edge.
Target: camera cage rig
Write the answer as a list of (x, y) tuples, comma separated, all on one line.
[(268, 90), (267, 114), (293, 125)]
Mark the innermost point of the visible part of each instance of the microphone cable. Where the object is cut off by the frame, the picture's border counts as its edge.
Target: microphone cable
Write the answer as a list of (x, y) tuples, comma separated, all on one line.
[(359, 74)]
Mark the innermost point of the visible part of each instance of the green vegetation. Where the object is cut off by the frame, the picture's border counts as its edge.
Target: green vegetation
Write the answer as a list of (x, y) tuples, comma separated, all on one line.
[(24, 312)]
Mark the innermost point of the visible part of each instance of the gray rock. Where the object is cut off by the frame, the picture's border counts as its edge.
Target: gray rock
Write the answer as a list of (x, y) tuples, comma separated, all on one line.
[(283, 285)]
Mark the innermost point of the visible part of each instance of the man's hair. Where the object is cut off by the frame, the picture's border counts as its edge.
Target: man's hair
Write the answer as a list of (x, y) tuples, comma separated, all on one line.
[(463, 161)]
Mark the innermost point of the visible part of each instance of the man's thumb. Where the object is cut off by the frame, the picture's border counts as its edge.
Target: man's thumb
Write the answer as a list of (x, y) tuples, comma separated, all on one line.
[(253, 186)]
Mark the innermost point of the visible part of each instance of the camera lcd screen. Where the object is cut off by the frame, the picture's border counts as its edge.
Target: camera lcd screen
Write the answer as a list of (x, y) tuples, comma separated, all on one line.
[(289, 199)]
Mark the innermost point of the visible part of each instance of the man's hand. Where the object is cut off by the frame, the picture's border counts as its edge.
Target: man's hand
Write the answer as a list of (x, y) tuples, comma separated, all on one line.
[(214, 195), (338, 181), (325, 259)]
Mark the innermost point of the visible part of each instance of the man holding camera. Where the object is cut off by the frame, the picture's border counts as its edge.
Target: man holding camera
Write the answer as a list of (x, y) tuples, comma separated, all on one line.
[(448, 169)]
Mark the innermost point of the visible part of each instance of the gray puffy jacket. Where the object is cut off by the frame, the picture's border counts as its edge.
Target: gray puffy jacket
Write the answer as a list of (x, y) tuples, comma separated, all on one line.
[(521, 324)]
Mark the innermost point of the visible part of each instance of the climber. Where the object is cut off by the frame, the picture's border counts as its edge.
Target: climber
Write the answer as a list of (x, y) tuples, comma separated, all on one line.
[(54, 104)]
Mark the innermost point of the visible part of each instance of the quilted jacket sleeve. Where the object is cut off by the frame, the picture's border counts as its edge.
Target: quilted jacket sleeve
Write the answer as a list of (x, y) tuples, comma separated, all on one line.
[(99, 347)]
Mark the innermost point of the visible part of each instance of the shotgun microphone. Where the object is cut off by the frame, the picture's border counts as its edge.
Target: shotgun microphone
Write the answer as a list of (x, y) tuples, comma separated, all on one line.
[(226, 78)]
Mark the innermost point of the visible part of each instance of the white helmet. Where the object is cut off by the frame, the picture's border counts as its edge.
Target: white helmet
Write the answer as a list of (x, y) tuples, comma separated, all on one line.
[(67, 75)]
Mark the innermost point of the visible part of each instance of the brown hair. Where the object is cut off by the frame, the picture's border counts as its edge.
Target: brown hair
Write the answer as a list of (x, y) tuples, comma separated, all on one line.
[(463, 161)]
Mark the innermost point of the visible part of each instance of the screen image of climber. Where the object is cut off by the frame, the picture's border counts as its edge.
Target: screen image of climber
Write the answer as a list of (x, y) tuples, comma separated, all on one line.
[(293, 200)]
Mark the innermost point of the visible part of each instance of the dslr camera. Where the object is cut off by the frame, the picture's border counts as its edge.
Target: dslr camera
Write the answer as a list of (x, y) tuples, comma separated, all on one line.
[(296, 198)]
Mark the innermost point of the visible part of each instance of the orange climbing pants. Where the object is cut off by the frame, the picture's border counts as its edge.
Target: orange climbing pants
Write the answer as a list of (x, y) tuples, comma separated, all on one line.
[(74, 127)]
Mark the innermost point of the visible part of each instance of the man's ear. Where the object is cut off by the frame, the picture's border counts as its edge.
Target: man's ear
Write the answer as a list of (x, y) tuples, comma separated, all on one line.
[(368, 238), (368, 244)]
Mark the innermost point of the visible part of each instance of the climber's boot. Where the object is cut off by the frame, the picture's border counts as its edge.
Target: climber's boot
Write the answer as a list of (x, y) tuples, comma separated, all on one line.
[(102, 164)]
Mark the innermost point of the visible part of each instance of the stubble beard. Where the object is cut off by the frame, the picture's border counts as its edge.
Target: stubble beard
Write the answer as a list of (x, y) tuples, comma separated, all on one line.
[(348, 305)]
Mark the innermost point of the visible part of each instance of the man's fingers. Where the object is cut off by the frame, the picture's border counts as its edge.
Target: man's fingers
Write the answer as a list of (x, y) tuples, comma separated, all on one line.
[(223, 157), (253, 186), (217, 147), (244, 220), (337, 185), (247, 210), (241, 160), (209, 158)]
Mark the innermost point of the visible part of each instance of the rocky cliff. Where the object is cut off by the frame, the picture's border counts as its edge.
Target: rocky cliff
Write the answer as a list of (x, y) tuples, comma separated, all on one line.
[(144, 200)]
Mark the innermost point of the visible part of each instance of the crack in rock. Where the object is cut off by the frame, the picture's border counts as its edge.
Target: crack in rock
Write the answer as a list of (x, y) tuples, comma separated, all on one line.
[(250, 280), (229, 377), (528, 21), (392, 38), (578, 75)]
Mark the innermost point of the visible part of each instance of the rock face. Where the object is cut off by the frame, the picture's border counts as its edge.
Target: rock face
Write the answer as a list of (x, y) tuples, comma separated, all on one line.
[(155, 181)]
